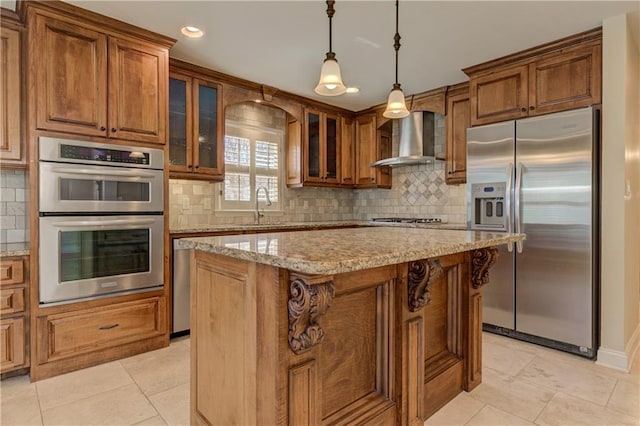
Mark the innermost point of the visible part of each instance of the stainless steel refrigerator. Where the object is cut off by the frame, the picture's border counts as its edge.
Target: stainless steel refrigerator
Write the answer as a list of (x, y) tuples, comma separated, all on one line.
[(539, 176)]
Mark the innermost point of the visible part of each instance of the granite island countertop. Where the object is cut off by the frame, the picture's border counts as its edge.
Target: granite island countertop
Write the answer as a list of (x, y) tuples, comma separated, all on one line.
[(277, 226), (335, 251)]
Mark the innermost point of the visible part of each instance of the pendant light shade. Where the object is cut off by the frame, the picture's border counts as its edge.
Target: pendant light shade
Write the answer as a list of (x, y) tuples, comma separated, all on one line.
[(396, 107), (330, 83)]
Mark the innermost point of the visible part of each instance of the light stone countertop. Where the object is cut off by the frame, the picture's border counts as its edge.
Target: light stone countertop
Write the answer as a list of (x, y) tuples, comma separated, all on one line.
[(335, 251), (303, 225), (14, 249)]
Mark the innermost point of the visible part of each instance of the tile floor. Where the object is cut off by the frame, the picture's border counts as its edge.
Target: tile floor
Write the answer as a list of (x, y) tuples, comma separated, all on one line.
[(523, 384)]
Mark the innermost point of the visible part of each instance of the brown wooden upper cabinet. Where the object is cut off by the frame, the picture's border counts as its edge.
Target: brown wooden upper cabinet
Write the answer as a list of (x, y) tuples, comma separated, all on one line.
[(559, 76), (458, 119), (372, 144), (321, 149), (12, 152), (348, 152), (97, 83), (196, 138)]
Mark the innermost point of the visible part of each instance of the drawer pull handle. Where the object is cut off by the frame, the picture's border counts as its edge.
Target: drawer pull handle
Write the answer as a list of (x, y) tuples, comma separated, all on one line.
[(108, 327)]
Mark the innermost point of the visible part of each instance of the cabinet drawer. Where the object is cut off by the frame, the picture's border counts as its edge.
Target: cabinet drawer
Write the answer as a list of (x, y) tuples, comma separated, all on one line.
[(12, 344), (74, 333), (11, 271), (12, 300)]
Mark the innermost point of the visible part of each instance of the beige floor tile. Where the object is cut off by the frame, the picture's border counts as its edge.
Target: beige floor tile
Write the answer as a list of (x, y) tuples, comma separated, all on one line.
[(566, 410), (511, 395), (19, 406), (122, 406), (153, 421), (66, 388), (159, 370), (495, 339), (173, 405), (505, 358), (490, 416), (626, 398), (457, 412), (576, 380)]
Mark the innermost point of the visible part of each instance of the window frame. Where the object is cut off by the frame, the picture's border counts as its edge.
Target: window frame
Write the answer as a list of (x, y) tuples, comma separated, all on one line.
[(254, 134)]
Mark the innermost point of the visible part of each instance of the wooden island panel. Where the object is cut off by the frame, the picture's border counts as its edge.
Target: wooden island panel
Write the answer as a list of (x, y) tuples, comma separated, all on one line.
[(381, 346)]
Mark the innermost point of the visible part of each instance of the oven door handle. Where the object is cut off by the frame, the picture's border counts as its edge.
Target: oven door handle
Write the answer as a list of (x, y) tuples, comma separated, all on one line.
[(92, 172), (87, 223)]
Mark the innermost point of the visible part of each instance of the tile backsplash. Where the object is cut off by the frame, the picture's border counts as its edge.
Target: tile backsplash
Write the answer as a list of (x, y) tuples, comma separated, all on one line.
[(14, 198)]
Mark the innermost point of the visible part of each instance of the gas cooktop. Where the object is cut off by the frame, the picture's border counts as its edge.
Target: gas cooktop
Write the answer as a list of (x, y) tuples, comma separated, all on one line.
[(407, 219)]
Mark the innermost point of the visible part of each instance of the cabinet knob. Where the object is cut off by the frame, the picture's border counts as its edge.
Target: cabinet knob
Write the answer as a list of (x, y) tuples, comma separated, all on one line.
[(102, 128), (189, 166), (450, 172), (197, 167), (113, 130), (531, 108), (523, 109)]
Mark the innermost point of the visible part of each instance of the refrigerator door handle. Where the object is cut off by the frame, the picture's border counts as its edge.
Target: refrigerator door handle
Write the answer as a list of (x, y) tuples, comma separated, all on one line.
[(509, 196), (516, 197)]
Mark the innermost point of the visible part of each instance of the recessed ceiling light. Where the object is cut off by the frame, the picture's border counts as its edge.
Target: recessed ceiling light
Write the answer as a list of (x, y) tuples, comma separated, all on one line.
[(193, 32), (352, 90)]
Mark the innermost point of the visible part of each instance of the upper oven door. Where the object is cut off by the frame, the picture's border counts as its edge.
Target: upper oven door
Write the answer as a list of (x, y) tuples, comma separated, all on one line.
[(86, 188)]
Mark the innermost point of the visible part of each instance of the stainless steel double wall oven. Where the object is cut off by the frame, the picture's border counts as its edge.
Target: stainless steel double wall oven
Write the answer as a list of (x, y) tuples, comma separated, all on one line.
[(101, 219)]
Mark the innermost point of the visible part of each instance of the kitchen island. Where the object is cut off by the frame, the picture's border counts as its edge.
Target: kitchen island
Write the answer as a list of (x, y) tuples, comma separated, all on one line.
[(376, 325)]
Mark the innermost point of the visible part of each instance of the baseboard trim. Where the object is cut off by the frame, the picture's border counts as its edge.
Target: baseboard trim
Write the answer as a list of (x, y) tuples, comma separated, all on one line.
[(620, 360)]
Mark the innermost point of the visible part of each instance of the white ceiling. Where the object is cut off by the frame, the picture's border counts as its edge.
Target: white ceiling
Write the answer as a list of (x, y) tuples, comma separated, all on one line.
[(283, 43)]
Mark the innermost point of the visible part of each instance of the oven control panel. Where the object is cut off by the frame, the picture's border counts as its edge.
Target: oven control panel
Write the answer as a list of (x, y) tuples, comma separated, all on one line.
[(105, 155)]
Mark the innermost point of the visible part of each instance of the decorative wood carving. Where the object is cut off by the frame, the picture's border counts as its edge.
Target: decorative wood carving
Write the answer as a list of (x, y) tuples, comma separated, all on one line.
[(483, 260), (268, 92), (307, 303), (422, 275)]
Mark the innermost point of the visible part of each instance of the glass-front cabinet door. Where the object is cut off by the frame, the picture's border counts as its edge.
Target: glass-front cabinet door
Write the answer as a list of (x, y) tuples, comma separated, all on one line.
[(207, 139), (180, 157), (195, 128), (321, 147)]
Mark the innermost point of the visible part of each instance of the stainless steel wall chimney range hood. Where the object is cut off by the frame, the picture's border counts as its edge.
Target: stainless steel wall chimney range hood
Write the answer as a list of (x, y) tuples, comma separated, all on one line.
[(416, 141)]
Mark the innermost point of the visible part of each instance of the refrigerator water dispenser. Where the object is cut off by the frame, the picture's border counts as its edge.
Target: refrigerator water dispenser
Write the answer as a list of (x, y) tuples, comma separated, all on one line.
[(488, 206)]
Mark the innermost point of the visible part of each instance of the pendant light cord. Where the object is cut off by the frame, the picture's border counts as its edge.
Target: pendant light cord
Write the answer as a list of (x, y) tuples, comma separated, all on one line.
[(330, 12), (396, 45)]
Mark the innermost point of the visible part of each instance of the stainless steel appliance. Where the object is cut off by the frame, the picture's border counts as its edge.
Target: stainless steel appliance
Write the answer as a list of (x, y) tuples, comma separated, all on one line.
[(545, 290), (181, 290), (101, 222)]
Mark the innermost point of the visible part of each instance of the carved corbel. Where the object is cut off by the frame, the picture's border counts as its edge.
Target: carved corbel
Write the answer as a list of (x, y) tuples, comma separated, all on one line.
[(422, 274), (483, 259), (308, 301), (268, 92)]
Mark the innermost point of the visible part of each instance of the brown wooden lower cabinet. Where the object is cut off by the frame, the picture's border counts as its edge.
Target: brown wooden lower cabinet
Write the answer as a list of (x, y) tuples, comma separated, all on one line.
[(12, 344), (382, 346), (76, 339), (14, 296)]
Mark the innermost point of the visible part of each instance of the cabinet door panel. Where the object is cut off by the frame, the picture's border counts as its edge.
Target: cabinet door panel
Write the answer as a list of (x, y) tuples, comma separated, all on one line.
[(457, 121), (566, 81), (347, 152), (10, 130), (332, 139), (499, 96), (12, 344), (71, 78), (138, 83), (313, 153), (207, 137), (366, 147), (180, 156)]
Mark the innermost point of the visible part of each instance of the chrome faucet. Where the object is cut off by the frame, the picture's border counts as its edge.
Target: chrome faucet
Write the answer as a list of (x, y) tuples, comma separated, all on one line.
[(256, 214)]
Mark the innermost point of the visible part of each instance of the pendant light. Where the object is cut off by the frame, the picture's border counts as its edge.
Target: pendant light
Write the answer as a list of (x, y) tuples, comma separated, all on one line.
[(396, 107), (330, 83)]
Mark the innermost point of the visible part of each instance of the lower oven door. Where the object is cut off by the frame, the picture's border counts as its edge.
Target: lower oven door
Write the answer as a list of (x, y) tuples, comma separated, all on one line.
[(90, 256)]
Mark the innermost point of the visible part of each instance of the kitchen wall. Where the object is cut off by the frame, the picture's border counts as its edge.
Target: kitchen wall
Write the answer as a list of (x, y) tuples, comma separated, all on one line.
[(14, 196), (620, 250), (418, 190)]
